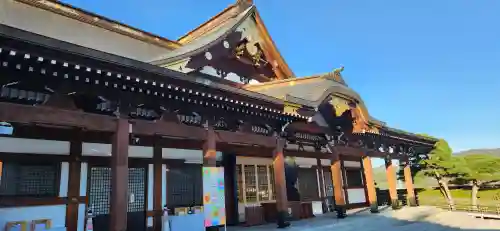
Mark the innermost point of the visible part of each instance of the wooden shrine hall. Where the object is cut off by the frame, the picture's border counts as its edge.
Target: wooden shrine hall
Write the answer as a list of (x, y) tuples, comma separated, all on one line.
[(111, 124)]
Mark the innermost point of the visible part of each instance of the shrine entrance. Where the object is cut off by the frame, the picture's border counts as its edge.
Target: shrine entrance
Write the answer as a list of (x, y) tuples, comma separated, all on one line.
[(100, 195)]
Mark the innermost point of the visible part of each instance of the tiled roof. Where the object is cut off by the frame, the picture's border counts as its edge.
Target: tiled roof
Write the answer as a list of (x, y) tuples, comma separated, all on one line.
[(309, 91)]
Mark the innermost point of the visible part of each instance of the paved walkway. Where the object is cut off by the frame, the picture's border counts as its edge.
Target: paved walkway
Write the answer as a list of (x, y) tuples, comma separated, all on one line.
[(414, 219)]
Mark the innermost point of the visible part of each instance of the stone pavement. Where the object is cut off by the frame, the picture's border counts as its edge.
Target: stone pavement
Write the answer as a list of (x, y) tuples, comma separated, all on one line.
[(407, 219)]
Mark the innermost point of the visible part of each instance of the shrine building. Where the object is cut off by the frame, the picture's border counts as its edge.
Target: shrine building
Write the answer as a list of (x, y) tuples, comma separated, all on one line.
[(100, 120)]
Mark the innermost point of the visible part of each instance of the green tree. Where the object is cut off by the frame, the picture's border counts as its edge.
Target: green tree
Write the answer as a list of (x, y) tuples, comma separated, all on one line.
[(415, 159), (441, 165), (478, 170)]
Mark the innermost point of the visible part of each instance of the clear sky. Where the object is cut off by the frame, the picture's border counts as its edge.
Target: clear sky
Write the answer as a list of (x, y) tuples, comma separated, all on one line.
[(423, 66)]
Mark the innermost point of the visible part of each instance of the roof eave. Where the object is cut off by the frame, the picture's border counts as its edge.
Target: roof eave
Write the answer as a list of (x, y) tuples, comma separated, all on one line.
[(282, 65), (100, 21)]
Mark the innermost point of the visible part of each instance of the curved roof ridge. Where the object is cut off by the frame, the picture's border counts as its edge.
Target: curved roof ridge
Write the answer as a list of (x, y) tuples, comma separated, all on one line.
[(191, 35), (276, 82), (325, 75)]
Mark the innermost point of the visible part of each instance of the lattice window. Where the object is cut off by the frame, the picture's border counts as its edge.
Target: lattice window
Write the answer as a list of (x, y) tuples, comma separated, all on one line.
[(136, 189), (100, 190), (184, 186), (250, 183), (273, 186), (262, 175), (30, 180), (239, 178)]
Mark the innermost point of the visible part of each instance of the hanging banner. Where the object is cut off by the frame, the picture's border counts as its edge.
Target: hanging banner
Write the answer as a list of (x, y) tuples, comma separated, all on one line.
[(214, 207)]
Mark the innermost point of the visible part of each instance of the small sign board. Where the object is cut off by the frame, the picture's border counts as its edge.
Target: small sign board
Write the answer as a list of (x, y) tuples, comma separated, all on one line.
[(214, 207), (6, 128)]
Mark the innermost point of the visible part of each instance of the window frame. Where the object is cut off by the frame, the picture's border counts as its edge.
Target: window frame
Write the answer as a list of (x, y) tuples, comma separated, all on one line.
[(243, 186), (361, 177), (56, 165)]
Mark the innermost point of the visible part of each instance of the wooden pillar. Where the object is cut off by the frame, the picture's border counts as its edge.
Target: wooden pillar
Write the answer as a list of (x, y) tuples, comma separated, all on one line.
[(231, 185), (209, 149), (280, 183), (321, 185), (410, 190), (75, 168), (338, 186), (119, 176), (370, 184), (157, 185), (391, 180)]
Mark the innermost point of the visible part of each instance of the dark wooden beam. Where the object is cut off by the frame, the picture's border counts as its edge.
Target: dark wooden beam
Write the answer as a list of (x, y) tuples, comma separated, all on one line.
[(28, 114)]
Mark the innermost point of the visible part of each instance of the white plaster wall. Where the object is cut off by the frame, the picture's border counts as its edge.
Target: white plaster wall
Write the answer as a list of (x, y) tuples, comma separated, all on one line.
[(164, 185), (55, 213), (253, 160), (302, 162), (83, 179), (308, 162), (64, 180), (59, 27), (33, 146), (188, 155), (98, 149), (81, 217), (356, 196), (352, 164)]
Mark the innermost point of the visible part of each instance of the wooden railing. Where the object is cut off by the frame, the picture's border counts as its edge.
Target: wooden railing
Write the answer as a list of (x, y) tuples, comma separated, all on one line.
[(482, 211)]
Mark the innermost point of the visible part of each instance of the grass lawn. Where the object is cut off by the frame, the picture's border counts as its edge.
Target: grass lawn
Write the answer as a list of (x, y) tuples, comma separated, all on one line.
[(461, 197)]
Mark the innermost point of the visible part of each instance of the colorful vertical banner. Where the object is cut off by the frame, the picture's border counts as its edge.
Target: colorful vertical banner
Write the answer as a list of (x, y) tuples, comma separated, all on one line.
[(214, 207)]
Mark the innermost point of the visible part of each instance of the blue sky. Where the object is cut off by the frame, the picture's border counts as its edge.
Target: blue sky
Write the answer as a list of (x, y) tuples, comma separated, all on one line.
[(423, 66)]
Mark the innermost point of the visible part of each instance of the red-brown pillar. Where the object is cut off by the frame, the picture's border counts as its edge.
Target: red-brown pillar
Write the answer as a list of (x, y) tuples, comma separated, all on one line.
[(280, 183), (157, 186), (209, 149), (370, 184), (338, 186), (75, 168), (391, 180), (410, 190), (321, 185), (119, 176)]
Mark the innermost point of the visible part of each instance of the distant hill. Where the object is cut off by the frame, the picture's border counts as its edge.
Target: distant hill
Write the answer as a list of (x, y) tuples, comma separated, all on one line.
[(493, 152), (380, 177)]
